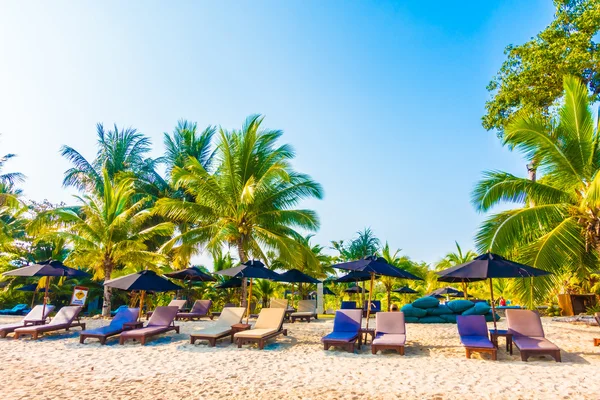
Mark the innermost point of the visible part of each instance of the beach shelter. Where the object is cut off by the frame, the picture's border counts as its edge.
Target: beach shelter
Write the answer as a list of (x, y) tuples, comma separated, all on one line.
[(375, 266), (297, 276), (489, 266), (251, 269), (49, 269), (189, 275), (143, 282)]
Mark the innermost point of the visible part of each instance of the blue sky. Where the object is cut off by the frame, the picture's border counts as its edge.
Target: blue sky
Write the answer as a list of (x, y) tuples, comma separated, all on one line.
[(381, 100)]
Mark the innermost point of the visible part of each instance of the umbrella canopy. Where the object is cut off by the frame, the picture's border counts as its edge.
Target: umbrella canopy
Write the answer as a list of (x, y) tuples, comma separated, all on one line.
[(144, 280), (251, 269), (405, 290), (297, 276), (450, 291), (191, 274), (489, 266), (48, 268), (230, 283), (354, 276), (356, 289), (30, 288), (326, 291)]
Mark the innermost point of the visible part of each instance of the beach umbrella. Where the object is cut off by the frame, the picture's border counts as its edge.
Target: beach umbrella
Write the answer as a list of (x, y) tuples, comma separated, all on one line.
[(326, 291), (230, 283), (355, 289), (30, 288), (48, 269), (354, 276), (250, 269), (489, 266), (446, 291), (375, 266), (192, 274), (405, 290), (143, 281), (297, 276)]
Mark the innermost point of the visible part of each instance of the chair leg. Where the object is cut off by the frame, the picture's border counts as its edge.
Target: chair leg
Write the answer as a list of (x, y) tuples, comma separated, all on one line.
[(401, 350), (285, 332), (239, 343), (212, 342), (556, 356), (103, 341), (596, 342), (494, 355), (143, 340), (81, 339), (468, 352), (524, 356), (261, 344), (373, 349), (121, 340), (192, 340), (326, 345)]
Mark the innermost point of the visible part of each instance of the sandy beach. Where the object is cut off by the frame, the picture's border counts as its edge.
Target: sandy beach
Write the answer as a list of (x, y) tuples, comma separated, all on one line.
[(295, 367)]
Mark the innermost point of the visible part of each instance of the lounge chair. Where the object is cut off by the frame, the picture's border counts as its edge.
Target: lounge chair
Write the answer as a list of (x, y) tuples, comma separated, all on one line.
[(348, 305), (222, 328), (200, 309), (160, 322), (173, 303), (268, 325), (34, 317), (597, 318), (346, 326), (123, 307), (375, 307), (528, 334), (227, 305), (19, 309), (63, 320), (473, 333), (307, 309), (123, 316), (390, 332)]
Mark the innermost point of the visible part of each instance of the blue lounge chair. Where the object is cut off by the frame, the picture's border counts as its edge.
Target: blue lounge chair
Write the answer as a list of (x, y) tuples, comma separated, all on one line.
[(473, 333), (113, 313), (375, 307), (346, 326), (123, 316), (19, 309), (348, 305)]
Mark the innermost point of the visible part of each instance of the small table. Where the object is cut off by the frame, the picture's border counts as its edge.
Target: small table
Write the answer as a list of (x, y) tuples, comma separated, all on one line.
[(363, 332), (238, 328), (495, 333), (128, 326)]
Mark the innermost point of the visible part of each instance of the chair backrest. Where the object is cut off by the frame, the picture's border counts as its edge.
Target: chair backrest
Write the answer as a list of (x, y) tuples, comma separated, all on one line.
[(524, 323), (201, 306), (597, 318), (278, 303), (230, 316), (270, 318), (124, 315), (471, 325), (229, 305), (390, 322), (375, 305), (179, 303), (347, 321), (348, 305), (163, 316), (19, 307), (36, 313), (307, 306), (66, 315)]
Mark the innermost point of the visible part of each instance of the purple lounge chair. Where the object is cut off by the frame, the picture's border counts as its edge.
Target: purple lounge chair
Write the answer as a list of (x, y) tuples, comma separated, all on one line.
[(390, 332), (200, 309), (597, 318), (160, 322), (123, 316), (528, 334), (178, 303), (34, 317), (64, 319), (346, 326), (473, 333)]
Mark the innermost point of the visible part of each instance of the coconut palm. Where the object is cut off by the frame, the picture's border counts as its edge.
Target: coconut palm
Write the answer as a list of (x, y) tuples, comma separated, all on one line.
[(186, 142), (557, 226), (107, 232), (399, 261), (455, 258), (247, 199)]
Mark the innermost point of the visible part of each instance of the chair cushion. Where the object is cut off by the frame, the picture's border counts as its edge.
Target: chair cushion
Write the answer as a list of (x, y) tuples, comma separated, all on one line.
[(476, 341), (524, 323), (390, 322), (213, 331), (149, 330), (230, 316), (163, 316), (347, 321), (303, 314), (105, 330), (278, 303), (472, 325), (255, 333), (533, 343), (307, 306), (200, 307), (390, 339), (340, 336), (36, 313), (66, 315), (270, 318)]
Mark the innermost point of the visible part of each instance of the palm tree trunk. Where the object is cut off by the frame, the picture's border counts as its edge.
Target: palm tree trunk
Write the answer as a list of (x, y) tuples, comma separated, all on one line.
[(106, 305), (243, 258), (389, 299)]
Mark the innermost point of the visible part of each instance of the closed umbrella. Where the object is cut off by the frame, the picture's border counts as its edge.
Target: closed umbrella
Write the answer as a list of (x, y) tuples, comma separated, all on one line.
[(250, 269), (375, 266), (489, 266), (143, 282), (48, 268)]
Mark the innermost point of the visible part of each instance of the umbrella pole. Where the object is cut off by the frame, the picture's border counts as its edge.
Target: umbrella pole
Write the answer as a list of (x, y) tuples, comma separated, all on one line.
[(370, 295), (464, 285), (141, 304), (248, 301), (493, 304), (45, 296)]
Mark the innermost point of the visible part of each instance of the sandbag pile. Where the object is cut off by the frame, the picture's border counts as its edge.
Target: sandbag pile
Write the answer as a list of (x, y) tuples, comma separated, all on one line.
[(428, 310)]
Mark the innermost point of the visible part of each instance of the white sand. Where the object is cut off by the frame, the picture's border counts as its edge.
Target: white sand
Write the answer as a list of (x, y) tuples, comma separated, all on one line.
[(295, 367)]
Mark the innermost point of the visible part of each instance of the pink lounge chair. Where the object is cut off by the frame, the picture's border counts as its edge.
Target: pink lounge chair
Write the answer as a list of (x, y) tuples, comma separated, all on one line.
[(528, 334), (34, 317), (178, 303), (160, 322), (200, 309), (390, 332), (64, 319)]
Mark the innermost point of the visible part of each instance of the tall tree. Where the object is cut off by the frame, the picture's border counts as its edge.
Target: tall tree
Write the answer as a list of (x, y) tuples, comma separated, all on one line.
[(557, 227), (455, 258), (107, 231), (247, 199), (530, 79)]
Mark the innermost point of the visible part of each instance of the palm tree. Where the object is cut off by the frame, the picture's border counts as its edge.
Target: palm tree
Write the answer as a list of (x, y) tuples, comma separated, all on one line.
[(398, 261), (107, 231), (452, 259), (119, 151), (247, 200), (557, 226), (186, 142)]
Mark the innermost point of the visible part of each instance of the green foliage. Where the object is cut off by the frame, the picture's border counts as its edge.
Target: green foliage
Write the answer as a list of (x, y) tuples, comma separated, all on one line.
[(530, 80)]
